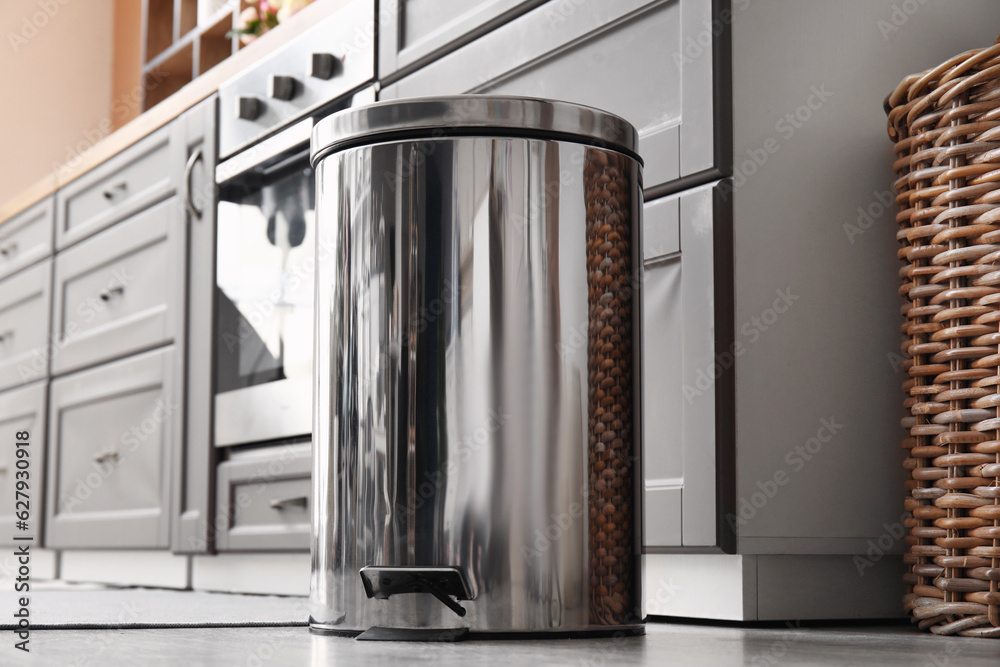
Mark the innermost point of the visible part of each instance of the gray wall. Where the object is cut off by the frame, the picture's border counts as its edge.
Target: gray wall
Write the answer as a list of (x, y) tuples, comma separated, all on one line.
[(830, 354)]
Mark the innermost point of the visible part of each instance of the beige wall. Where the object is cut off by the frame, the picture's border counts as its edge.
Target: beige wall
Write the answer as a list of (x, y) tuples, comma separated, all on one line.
[(126, 70), (55, 91)]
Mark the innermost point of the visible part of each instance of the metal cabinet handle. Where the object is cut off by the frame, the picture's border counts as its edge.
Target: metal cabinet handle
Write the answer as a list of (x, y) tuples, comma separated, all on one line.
[(111, 292), (188, 168), (107, 455), (281, 503), (115, 190), (6, 335), (8, 249)]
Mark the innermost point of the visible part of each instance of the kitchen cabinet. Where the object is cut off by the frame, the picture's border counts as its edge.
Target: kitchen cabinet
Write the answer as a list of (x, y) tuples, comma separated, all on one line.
[(25, 305), (624, 57), (23, 409), (133, 180), (112, 431), (120, 291), (26, 238), (25, 311), (116, 411), (627, 57), (265, 499), (194, 461), (686, 294), (414, 31), (808, 510)]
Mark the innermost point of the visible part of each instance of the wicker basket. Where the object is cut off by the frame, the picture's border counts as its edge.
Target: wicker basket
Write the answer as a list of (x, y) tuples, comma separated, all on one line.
[(946, 125)]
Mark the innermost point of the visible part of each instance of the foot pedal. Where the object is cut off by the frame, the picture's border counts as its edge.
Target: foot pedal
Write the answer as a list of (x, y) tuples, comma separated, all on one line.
[(444, 583)]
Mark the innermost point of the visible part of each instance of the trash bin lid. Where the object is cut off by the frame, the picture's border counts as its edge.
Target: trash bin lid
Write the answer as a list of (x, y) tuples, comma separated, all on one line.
[(471, 115)]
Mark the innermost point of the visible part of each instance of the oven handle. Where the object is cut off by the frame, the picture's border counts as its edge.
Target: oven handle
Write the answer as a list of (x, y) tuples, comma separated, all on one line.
[(259, 154), (188, 200)]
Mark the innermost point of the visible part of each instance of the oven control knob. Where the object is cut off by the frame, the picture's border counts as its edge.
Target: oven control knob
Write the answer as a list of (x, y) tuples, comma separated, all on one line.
[(247, 108), (323, 66), (281, 87)]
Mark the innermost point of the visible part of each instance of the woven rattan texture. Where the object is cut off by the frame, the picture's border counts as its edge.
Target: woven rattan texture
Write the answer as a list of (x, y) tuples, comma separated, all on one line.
[(946, 125)]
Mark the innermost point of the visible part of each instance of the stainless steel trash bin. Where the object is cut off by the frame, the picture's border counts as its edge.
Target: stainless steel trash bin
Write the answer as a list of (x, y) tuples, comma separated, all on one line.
[(476, 456)]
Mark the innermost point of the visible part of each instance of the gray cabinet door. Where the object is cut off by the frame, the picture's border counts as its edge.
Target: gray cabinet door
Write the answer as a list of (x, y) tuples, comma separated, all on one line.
[(265, 500), (120, 291), (631, 57), (112, 431), (136, 178), (688, 361), (25, 306), (194, 460), (413, 31), (22, 410), (26, 238)]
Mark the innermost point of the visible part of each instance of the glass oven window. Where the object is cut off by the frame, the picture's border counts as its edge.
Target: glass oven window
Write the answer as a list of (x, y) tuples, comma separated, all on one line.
[(264, 267)]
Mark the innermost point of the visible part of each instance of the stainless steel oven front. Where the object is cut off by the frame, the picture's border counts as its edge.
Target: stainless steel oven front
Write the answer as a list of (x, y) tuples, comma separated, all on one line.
[(265, 261)]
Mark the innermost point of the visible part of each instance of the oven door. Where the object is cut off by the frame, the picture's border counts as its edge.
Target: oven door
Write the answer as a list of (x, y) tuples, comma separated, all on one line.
[(265, 245)]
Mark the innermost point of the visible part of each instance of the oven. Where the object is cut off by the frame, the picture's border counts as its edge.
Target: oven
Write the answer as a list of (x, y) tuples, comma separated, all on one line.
[(266, 229)]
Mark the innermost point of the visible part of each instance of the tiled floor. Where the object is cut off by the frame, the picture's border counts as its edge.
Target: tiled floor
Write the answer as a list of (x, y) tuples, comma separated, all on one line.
[(664, 644)]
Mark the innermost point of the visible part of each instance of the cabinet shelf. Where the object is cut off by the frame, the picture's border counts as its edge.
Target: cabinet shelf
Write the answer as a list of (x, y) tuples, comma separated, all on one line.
[(177, 47), (169, 53), (213, 44), (166, 75)]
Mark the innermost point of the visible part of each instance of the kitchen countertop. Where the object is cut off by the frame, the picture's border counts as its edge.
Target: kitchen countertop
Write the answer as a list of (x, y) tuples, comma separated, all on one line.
[(161, 114)]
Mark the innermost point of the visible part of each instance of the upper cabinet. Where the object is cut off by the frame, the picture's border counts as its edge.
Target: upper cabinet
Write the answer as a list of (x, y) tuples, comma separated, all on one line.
[(641, 60)]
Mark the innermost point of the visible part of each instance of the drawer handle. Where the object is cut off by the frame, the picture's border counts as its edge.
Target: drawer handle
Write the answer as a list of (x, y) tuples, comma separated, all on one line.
[(115, 190), (8, 249), (111, 292), (188, 168), (6, 335), (282, 503), (107, 455)]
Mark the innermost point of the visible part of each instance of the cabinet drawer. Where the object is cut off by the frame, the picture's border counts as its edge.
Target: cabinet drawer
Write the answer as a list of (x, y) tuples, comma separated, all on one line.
[(121, 291), (22, 410), (25, 305), (413, 30), (265, 500), (26, 238), (134, 179), (626, 57), (112, 430)]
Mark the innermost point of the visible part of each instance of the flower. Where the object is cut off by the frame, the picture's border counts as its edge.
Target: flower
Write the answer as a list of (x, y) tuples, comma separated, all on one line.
[(289, 7), (256, 20), (247, 25)]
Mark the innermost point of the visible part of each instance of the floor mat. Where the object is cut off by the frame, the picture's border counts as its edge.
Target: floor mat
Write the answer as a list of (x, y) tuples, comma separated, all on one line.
[(87, 607)]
